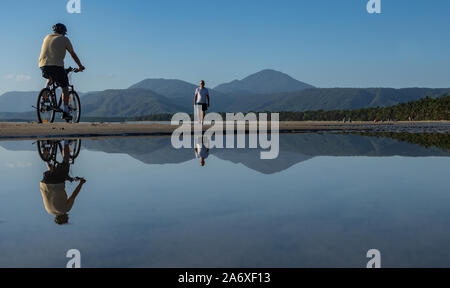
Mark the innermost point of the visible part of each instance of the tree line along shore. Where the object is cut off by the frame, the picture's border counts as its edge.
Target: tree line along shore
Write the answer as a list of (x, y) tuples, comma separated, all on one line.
[(426, 109)]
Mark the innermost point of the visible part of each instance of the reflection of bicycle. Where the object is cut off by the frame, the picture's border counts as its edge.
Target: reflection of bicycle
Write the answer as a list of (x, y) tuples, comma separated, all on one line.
[(48, 150), (48, 106)]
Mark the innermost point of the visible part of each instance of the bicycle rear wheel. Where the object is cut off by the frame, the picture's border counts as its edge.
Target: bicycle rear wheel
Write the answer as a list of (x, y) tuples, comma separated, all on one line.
[(74, 107), (45, 110)]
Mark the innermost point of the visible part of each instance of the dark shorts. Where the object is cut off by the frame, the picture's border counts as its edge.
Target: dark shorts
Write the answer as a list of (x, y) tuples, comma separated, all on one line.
[(57, 73), (204, 106), (59, 174)]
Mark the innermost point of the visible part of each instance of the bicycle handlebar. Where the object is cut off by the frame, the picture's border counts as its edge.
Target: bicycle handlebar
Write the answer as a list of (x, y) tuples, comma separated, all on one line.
[(75, 70)]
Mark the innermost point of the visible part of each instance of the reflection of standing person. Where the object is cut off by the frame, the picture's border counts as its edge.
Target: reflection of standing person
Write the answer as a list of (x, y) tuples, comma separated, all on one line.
[(201, 101), (201, 150), (53, 188)]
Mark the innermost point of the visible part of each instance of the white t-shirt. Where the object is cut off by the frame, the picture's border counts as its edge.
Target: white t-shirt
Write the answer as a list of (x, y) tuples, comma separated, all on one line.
[(202, 94)]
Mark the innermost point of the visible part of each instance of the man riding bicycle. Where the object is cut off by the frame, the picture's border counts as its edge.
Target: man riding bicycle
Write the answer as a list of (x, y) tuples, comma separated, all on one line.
[(51, 62)]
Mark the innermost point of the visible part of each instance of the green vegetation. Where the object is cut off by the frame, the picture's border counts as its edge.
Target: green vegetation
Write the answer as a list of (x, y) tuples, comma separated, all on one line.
[(328, 99), (423, 109)]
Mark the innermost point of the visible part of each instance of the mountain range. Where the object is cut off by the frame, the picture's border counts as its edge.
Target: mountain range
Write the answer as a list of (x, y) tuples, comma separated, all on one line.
[(264, 82), (267, 90)]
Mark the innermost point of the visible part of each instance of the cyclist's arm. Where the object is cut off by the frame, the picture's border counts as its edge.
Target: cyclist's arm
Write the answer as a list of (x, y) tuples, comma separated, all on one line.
[(75, 193), (76, 59), (195, 98), (74, 55)]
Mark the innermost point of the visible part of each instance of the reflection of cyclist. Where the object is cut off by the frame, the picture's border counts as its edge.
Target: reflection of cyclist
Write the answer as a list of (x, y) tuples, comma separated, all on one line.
[(51, 61), (53, 188)]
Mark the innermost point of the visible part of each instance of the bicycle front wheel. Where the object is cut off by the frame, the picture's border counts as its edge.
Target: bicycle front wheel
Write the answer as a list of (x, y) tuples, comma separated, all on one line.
[(75, 148), (47, 150), (45, 110), (74, 107)]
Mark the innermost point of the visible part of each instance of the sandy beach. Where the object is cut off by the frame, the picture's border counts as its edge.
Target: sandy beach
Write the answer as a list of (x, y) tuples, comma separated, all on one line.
[(35, 130)]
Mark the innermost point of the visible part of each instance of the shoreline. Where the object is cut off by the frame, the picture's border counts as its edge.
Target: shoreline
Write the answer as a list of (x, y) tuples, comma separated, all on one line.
[(23, 130)]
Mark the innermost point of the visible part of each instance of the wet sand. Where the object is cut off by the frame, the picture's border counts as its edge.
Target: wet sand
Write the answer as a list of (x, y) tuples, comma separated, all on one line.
[(35, 130)]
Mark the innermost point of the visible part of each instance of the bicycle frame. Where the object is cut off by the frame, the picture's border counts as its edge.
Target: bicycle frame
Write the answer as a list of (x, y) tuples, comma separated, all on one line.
[(53, 87)]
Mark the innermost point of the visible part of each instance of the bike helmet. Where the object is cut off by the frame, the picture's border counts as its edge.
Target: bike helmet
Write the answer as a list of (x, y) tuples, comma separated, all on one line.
[(60, 29)]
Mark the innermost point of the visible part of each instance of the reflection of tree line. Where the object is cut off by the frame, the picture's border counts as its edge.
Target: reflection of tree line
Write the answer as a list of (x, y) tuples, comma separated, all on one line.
[(427, 140), (294, 148)]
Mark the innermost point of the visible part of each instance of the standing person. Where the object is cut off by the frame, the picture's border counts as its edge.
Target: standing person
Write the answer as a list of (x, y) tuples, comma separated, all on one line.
[(201, 101), (51, 62)]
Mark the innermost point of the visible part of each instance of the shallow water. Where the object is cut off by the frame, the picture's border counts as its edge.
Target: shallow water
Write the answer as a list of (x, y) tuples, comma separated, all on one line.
[(324, 202)]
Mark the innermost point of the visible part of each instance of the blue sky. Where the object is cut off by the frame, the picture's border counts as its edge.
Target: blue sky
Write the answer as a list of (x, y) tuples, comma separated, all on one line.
[(326, 43)]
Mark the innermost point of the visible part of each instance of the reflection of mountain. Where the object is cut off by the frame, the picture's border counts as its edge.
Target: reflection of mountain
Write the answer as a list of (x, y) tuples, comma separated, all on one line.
[(147, 150), (294, 148), (251, 159), (160, 151)]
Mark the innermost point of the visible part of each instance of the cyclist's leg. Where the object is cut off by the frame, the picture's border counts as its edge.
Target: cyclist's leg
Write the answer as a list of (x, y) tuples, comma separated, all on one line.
[(66, 152), (46, 73), (65, 98), (49, 82), (63, 81)]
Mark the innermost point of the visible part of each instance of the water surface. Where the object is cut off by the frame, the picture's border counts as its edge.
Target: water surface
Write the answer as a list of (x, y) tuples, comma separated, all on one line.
[(324, 202)]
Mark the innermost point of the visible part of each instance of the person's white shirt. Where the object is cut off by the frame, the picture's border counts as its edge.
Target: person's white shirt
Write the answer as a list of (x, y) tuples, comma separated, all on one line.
[(202, 95)]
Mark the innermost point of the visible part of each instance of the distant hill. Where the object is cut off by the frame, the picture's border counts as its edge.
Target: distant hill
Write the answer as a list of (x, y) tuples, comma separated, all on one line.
[(127, 102), (264, 82), (17, 101), (182, 93), (18, 116), (342, 98), (141, 102), (267, 90), (170, 88)]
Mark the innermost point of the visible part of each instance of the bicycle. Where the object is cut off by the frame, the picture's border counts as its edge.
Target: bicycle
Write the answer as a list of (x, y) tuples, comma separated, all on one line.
[(48, 106)]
